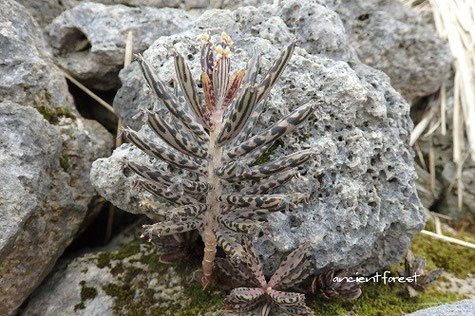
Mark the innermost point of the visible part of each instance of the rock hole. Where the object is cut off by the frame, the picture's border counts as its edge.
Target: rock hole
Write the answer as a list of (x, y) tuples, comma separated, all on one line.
[(73, 41), (363, 17)]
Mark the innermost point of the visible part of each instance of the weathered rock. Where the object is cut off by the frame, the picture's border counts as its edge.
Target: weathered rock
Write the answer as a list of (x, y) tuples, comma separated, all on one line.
[(46, 150), (28, 77), (385, 34), (89, 40), (464, 307), (390, 37), (364, 208), (45, 11), (125, 278)]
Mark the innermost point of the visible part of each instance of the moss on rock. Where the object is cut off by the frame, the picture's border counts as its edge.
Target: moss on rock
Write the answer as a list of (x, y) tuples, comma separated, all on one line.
[(87, 293), (142, 285), (52, 115)]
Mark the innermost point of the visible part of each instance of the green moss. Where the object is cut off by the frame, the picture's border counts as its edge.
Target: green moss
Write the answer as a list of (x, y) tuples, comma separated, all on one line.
[(87, 293), (103, 260), (304, 138), (439, 254), (201, 300), (79, 306), (125, 251), (266, 156), (64, 162), (52, 115), (384, 299)]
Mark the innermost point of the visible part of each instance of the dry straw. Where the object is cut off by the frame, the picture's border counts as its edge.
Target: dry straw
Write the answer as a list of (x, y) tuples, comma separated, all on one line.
[(455, 22)]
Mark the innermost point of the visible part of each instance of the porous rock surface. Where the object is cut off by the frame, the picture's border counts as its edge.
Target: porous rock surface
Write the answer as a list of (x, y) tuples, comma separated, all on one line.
[(46, 151), (89, 40), (464, 307), (45, 11), (390, 37), (363, 208), (385, 34)]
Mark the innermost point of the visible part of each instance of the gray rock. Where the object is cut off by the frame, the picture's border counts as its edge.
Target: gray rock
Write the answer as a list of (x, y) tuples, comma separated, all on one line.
[(385, 34), (390, 37), (464, 307), (45, 188), (364, 208), (89, 40), (124, 278), (28, 76), (45, 11)]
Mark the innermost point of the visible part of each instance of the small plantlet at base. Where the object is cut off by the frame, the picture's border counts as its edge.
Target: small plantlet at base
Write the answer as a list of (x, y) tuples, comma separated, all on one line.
[(417, 265), (295, 268)]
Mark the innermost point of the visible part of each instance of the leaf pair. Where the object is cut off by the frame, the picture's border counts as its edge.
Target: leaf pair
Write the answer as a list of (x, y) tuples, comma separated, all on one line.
[(293, 269)]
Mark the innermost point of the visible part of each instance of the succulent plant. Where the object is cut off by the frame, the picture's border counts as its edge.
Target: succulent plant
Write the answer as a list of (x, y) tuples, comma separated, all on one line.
[(326, 285), (295, 268), (212, 140), (417, 266)]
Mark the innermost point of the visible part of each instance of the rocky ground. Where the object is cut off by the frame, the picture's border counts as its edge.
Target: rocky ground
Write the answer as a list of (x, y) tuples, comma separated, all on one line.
[(362, 62)]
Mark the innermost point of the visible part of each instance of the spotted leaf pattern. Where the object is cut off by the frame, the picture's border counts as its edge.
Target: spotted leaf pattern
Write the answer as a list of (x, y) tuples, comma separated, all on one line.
[(279, 129), (208, 137)]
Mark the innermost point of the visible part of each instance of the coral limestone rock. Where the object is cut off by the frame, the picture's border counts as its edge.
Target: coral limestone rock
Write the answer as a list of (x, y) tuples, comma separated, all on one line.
[(386, 35), (89, 40), (46, 151), (363, 207), (390, 37)]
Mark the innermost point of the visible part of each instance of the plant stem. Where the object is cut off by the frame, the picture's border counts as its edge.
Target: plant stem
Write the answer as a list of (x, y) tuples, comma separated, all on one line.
[(210, 223)]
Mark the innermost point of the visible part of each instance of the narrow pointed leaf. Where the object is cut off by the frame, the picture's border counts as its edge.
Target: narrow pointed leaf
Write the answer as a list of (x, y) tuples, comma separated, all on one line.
[(233, 87), (274, 72), (186, 211), (256, 214), (296, 310), (254, 264), (221, 78), (164, 178), (269, 201), (265, 310), (272, 183), (234, 250), (170, 101), (279, 129), (246, 226), (164, 193), (249, 125), (208, 91), (238, 116), (174, 138), (163, 153), (207, 58), (252, 70), (287, 298), (188, 87), (168, 228), (291, 262), (230, 170), (154, 175), (245, 294)]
